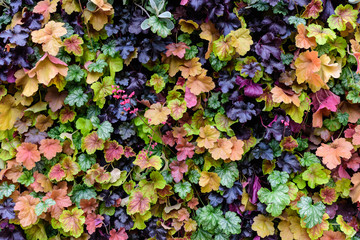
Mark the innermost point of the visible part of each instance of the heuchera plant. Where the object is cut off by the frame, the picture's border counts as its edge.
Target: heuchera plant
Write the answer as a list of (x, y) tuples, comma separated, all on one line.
[(191, 119)]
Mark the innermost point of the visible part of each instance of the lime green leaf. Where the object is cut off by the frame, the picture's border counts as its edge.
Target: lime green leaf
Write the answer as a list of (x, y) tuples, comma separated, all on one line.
[(343, 15), (322, 35), (102, 90), (115, 65), (276, 200), (26, 178), (222, 49), (316, 175), (312, 214), (84, 125)]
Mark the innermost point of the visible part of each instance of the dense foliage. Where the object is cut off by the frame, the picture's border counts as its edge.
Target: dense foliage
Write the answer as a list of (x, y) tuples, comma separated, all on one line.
[(191, 119)]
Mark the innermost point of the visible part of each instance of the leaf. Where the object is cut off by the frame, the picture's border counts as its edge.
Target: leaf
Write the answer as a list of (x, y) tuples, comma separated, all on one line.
[(209, 33), (81, 191), (6, 190), (208, 217), (84, 125), (138, 204), (161, 27), (230, 224), (49, 37), (322, 35), (28, 155), (76, 97), (209, 181), (47, 68), (157, 82), (308, 159), (312, 214), (91, 143), (328, 195), (240, 40), (200, 83), (36, 232), (185, 149), (56, 173), (277, 178), (113, 151), (316, 175), (72, 221), (42, 207), (302, 40), (355, 191), (45, 8), (26, 207), (342, 16), (263, 226), (178, 168), (223, 49), (344, 227), (50, 147), (280, 95), (157, 114), (228, 174), (176, 49), (222, 149), (177, 108), (118, 235), (73, 45), (102, 90), (182, 188), (276, 200), (313, 9), (329, 68), (75, 73), (59, 196), (55, 98), (143, 161), (28, 84), (9, 112), (208, 136), (26, 178), (332, 153), (191, 68), (104, 130), (93, 221)]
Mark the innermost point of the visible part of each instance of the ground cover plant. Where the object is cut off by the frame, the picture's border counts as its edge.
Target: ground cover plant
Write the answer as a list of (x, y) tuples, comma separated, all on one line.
[(191, 119)]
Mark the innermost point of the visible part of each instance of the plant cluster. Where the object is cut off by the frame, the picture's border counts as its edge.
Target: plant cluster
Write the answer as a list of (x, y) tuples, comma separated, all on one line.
[(191, 119)]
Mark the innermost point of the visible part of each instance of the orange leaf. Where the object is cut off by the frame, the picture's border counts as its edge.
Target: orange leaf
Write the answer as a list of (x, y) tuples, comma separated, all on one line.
[(50, 147), (43, 122), (62, 200), (200, 83), (307, 65), (333, 152), (47, 68), (26, 207), (209, 181), (176, 49), (93, 221), (237, 149), (355, 191), (191, 68), (352, 109), (301, 40), (49, 37), (222, 149), (208, 136), (331, 235), (210, 33), (28, 155), (88, 205), (45, 8), (280, 95), (157, 114), (92, 142)]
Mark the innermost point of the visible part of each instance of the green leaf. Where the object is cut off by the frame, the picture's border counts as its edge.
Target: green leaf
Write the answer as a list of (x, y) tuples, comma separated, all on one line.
[(295, 21), (102, 90), (97, 66), (185, 38), (106, 210), (105, 129), (109, 48), (276, 200), (115, 65), (161, 27), (277, 178), (302, 144), (194, 176), (183, 189), (84, 125), (26, 178), (208, 217), (76, 97), (275, 146), (216, 63), (81, 191), (228, 174), (42, 207), (309, 159), (201, 234), (6, 190), (86, 161), (312, 214), (230, 224), (75, 73), (191, 53), (343, 15), (261, 6), (353, 96), (287, 58), (316, 175), (332, 124), (343, 118), (213, 101)]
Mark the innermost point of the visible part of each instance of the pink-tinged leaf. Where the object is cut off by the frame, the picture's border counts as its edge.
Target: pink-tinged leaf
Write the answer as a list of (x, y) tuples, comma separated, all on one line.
[(168, 139), (92, 142), (185, 149), (50, 147), (324, 102), (93, 221), (89, 205), (55, 98), (178, 168), (56, 173), (354, 162), (343, 173), (190, 98), (176, 49), (138, 204), (62, 201), (313, 9), (118, 235), (184, 2), (129, 152), (113, 151), (72, 221), (144, 161), (26, 207), (28, 155), (73, 45)]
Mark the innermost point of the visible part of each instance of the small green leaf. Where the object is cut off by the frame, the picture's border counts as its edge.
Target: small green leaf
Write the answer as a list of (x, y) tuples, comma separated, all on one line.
[(84, 125), (309, 159), (75, 73), (6, 190), (76, 97), (98, 66), (105, 129), (332, 124), (228, 174), (42, 207), (81, 191), (276, 200), (343, 118), (86, 161), (183, 189), (312, 214), (277, 178), (109, 48), (26, 178), (194, 176), (191, 53)]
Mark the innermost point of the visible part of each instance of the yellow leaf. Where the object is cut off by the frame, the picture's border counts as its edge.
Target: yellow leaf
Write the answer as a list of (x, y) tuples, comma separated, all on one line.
[(210, 33), (49, 37), (70, 6), (157, 114), (208, 136), (188, 26), (191, 68), (285, 232), (28, 84), (209, 181), (9, 112), (240, 40), (328, 68), (263, 226)]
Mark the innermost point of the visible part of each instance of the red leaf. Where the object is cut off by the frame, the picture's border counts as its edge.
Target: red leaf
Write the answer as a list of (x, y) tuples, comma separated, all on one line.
[(113, 151), (118, 235), (313, 9), (178, 168), (56, 173), (49, 147), (73, 45), (28, 155), (176, 49), (185, 149), (93, 221)]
